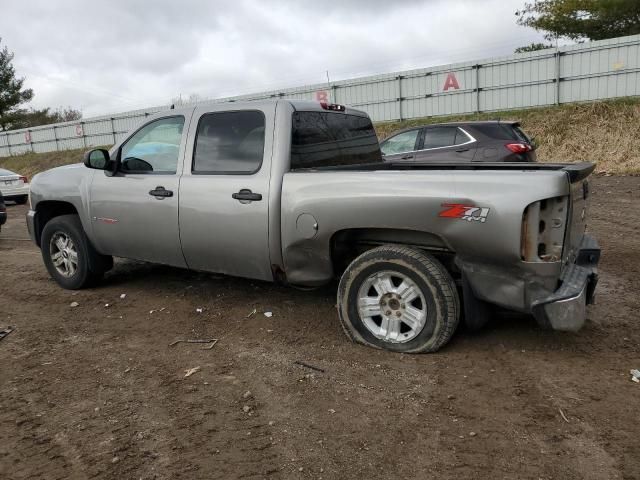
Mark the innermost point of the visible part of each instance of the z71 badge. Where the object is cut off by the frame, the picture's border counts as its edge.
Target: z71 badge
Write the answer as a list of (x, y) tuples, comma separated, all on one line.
[(470, 213)]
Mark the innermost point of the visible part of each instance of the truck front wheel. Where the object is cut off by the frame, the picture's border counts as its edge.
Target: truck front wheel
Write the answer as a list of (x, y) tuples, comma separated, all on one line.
[(399, 299), (69, 256)]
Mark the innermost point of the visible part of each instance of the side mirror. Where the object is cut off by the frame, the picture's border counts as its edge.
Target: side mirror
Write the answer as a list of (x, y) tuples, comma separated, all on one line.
[(97, 158)]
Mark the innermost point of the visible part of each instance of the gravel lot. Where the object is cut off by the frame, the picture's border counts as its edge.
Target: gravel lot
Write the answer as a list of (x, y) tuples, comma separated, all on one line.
[(94, 391)]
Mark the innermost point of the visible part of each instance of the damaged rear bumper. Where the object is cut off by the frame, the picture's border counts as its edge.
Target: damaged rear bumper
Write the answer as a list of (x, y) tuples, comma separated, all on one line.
[(566, 308)]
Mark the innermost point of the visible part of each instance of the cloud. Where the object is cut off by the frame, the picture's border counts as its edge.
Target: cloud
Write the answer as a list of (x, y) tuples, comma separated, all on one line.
[(105, 57)]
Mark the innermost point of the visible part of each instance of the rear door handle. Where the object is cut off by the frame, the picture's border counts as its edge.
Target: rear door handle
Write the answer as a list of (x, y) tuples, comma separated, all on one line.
[(247, 195), (161, 192), (460, 150), (406, 157)]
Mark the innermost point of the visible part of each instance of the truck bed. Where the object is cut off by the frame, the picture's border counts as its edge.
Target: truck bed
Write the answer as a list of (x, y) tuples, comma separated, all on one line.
[(576, 171)]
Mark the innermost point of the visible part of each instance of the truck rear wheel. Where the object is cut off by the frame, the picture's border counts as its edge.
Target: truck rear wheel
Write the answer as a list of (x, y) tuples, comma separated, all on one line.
[(399, 299), (69, 256)]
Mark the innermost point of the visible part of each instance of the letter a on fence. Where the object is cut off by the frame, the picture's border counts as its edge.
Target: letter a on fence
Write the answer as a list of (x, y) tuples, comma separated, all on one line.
[(451, 82)]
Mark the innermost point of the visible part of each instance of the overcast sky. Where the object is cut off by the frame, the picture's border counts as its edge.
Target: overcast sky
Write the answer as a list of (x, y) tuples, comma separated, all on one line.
[(117, 55)]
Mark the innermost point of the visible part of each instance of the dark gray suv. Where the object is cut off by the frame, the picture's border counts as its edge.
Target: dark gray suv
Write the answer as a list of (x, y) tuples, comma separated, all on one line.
[(480, 141)]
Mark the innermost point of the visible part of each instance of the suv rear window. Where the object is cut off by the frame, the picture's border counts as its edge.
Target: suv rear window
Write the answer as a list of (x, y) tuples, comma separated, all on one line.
[(502, 131), (327, 139)]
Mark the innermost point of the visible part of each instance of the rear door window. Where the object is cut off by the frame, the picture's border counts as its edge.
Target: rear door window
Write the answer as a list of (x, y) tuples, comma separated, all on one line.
[(229, 143), (401, 143), (439, 137), (325, 139)]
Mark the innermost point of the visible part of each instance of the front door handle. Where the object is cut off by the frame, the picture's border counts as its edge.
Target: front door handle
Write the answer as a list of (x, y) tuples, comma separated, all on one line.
[(460, 150), (406, 157), (246, 195), (161, 192)]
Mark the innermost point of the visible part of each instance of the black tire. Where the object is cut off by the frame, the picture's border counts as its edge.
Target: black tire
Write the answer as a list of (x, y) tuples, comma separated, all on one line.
[(21, 200), (90, 264), (427, 274)]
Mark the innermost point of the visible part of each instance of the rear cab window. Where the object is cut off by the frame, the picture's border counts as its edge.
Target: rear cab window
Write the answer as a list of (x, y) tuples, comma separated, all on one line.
[(332, 139)]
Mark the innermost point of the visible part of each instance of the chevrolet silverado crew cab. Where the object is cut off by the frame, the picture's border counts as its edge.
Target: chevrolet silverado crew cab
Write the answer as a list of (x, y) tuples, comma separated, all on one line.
[(297, 192)]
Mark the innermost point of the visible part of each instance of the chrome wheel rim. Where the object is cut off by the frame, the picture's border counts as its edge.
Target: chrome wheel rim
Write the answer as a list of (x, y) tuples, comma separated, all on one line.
[(63, 254), (392, 307)]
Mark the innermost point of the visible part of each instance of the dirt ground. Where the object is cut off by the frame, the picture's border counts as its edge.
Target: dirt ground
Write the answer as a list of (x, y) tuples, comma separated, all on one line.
[(96, 392)]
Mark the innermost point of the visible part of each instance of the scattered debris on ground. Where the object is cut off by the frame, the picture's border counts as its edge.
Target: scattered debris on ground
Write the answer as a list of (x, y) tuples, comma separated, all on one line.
[(635, 375), (191, 371), (212, 341), (6, 331), (307, 365)]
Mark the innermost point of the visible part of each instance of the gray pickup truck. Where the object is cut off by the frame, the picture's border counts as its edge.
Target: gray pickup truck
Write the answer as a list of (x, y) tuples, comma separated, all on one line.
[(297, 192)]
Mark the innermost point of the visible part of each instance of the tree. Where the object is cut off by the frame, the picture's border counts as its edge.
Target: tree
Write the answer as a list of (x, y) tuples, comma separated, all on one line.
[(533, 47), (582, 19), (32, 118), (181, 102), (11, 93)]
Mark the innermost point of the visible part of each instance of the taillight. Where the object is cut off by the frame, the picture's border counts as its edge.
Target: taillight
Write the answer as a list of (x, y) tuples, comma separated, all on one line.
[(332, 106), (543, 228), (24, 179), (519, 147)]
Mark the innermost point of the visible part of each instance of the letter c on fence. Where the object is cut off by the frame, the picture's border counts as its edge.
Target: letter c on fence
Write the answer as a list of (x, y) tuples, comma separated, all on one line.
[(79, 130), (27, 137)]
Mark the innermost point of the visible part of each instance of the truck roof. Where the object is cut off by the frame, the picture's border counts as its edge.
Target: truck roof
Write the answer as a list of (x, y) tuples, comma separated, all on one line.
[(480, 122), (299, 105)]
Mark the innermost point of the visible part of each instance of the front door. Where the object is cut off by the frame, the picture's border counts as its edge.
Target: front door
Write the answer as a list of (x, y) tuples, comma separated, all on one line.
[(134, 213), (400, 147), (224, 192)]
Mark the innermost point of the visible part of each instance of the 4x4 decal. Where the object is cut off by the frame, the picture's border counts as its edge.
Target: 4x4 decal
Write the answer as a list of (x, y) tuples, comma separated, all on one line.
[(470, 213)]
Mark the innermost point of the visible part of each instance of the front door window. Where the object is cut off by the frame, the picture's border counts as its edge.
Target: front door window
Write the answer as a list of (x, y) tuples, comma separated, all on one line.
[(154, 148)]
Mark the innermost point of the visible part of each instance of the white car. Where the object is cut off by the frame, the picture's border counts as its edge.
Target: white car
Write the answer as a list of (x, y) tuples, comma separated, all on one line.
[(14, 187)]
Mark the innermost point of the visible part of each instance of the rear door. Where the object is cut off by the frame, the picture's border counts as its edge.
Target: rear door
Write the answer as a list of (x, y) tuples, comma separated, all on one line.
[(446, 144), (224, 191), (400, 147)]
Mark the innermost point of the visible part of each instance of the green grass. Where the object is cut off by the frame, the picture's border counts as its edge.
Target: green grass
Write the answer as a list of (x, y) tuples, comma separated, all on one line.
[(31, 163)]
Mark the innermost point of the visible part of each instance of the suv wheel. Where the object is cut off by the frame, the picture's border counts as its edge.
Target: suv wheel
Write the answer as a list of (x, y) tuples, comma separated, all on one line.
[(69, 256), (399, 299)]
